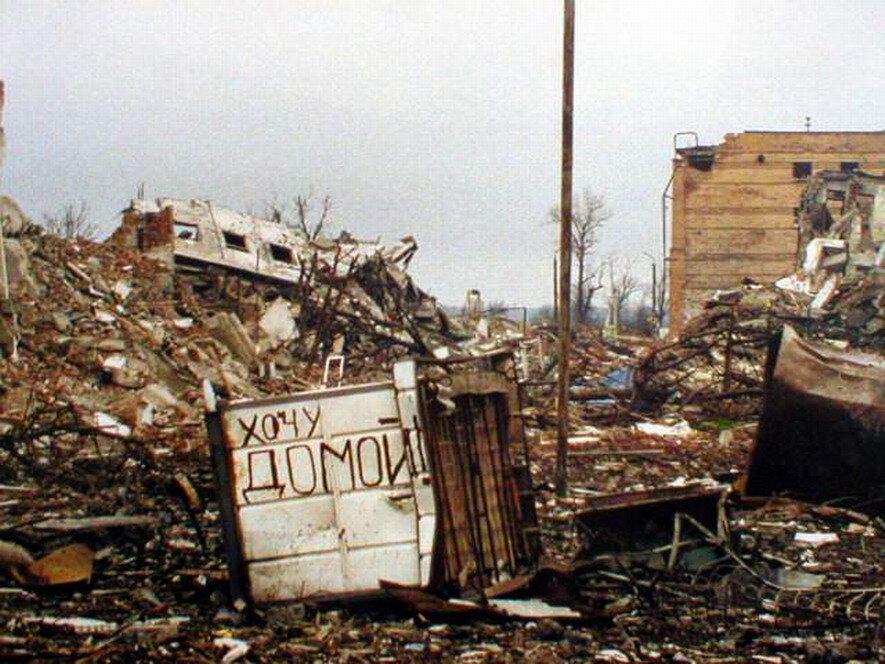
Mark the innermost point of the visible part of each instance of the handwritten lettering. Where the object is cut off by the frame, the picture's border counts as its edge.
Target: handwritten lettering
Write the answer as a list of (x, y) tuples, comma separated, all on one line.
[(369, 442), (280, 426), (322, 467), (263, 478), (294, 466)]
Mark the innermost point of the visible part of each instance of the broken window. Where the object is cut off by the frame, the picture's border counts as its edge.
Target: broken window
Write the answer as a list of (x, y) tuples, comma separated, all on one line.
[(235, 241), (186, 231), (848, 166), (701, 162), (280, 253), (801, 169)]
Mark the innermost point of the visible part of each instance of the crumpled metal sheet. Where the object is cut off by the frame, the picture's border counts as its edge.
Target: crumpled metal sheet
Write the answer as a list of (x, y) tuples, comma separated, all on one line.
[(822, 432)]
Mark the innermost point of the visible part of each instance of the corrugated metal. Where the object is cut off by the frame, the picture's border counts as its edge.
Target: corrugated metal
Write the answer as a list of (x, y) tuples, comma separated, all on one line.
[(483, 537)]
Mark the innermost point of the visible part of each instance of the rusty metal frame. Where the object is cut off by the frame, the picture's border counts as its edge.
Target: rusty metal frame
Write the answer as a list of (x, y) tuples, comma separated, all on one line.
[(471, 464)]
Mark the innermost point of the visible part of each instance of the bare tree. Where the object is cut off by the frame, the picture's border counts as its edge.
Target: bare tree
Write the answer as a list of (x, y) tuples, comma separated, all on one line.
[(657, 290), (622, 283), (589, 213), (71, 222), (300, 215)]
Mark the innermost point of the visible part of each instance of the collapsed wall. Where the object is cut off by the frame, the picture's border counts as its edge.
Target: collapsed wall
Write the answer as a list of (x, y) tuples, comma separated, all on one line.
[(836, 293)]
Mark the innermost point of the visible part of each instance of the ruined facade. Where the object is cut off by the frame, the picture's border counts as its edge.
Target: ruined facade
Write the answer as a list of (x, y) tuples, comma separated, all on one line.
[(734, 206)]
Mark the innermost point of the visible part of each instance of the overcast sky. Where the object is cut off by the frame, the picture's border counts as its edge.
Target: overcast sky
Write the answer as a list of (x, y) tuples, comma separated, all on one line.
[(434, 119)]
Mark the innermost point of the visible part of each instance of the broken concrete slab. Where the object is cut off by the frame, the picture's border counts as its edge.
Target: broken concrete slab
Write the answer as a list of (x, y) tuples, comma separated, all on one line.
[(229, 330), (277, 324)]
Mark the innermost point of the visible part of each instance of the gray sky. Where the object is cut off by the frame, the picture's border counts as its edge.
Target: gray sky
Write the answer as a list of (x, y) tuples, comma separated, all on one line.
[(436, 119)]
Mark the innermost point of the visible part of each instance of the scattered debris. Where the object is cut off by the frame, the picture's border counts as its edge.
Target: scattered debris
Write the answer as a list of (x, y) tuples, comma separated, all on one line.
[(120, 348)]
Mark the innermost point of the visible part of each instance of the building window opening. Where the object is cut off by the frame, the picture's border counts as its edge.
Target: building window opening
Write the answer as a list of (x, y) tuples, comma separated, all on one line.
[(280, 253), (802, 169), (186, 232), (235, 241), (848, 166)]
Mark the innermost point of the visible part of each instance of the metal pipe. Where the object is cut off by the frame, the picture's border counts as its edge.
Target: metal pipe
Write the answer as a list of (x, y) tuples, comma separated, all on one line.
[(565, 247), (664, 197)]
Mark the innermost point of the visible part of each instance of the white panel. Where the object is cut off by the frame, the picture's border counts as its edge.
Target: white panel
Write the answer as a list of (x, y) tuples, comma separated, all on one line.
[(359, 412), (378, 516), (290, 527), (366, 567), (426, 532), (294, 578), (425, 565), (323, 482), (424, 494)]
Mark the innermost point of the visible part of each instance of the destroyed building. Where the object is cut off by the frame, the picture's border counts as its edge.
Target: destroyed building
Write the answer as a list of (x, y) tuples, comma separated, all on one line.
[(734, 206), (343, 292)]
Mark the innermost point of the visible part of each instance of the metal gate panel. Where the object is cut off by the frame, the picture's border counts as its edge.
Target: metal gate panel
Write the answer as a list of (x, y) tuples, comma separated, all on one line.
[(329, 490)]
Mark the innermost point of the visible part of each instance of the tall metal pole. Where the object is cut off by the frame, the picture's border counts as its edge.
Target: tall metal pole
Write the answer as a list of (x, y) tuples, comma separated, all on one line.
[(555, 289), (4, 280), (565, 249)]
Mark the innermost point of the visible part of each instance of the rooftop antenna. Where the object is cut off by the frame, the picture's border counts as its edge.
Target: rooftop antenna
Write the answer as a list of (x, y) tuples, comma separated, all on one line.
[(807, 123)]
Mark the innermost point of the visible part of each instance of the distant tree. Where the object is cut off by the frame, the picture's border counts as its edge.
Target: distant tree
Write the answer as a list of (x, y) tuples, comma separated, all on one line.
[(71, 222), (302, 214), (589, 213), (622, 284)]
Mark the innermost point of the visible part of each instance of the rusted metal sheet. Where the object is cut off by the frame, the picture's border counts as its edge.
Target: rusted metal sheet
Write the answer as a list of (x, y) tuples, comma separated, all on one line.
[(822, 432), (643, 520), (480, 458), (330, 493)]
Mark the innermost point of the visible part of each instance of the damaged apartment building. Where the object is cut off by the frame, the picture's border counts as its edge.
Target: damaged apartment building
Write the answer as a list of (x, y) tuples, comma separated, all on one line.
[(346, 292), (735, 206)]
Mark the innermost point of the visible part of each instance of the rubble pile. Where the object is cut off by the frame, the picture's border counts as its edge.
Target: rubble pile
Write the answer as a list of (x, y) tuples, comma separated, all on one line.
[(716, 364), (111, 543), (774, 578), (302, 297), (105, 339), (837, 294)]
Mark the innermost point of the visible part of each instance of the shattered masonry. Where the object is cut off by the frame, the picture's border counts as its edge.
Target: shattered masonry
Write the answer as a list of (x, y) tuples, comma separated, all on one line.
[(734, 206), (419, 475)]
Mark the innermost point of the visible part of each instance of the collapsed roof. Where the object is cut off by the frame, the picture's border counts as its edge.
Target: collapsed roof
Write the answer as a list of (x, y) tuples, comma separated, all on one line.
[(199, 231)]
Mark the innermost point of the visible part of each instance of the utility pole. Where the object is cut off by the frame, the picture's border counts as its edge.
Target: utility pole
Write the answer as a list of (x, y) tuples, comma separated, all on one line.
[(4, 279), (555, 289), (565, 249)]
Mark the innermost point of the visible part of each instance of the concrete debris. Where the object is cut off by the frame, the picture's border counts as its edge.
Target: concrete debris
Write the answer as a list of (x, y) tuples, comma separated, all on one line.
[(67, 565), (14, 555), (236, 649), (837, 293), (432, 488)]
